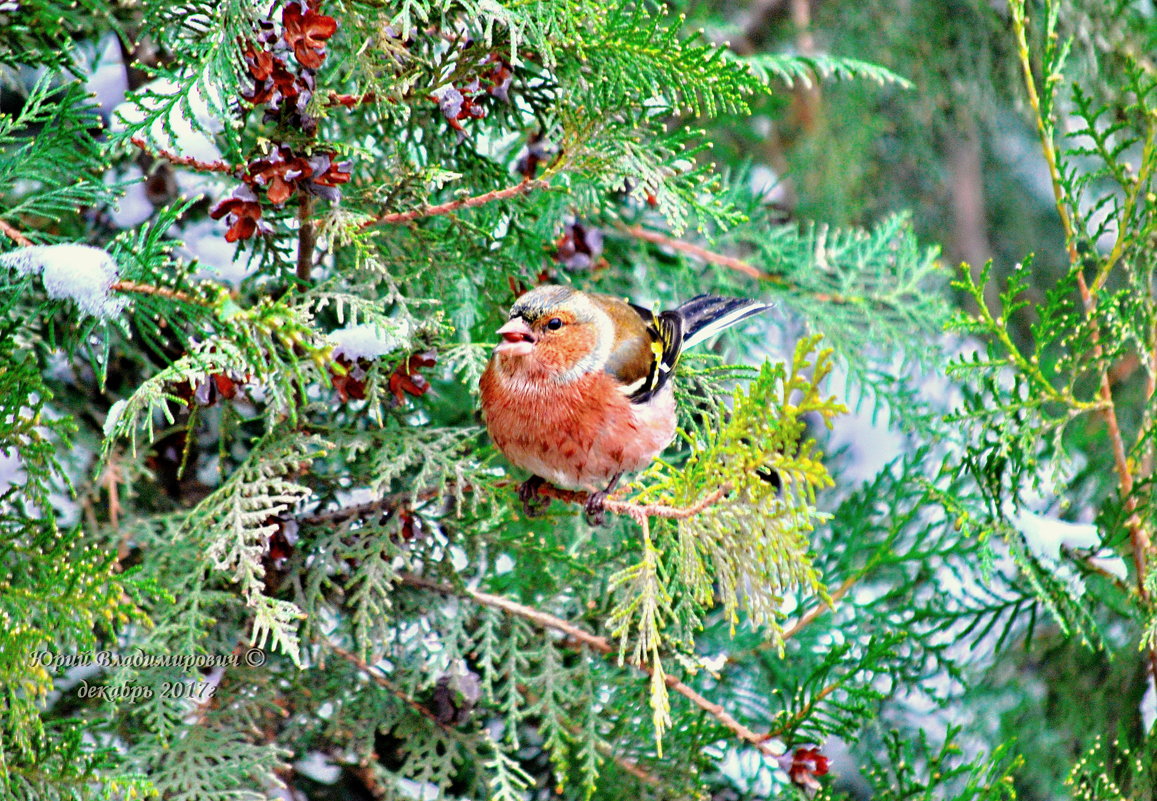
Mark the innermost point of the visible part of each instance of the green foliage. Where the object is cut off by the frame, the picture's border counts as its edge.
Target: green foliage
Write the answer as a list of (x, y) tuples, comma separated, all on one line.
[(1109, 773), (899, 771), (52, 163), (328, 542), (799, 69)]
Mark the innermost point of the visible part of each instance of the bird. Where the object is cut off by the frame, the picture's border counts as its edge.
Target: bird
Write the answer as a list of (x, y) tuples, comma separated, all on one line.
[(578, 391)]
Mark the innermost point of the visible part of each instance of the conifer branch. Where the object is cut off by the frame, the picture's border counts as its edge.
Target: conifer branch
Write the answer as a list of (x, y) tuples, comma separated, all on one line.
[(805, 710), (1148, 159), (14, 235), (1138, 536), (599, 644), (522, 188), (188, 161)]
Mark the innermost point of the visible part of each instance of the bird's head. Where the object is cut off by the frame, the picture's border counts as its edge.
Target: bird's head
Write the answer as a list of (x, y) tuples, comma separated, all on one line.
[(555, 332)]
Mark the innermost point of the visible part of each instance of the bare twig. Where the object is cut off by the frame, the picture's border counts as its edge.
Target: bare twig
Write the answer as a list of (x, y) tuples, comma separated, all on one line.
[(635, 511), (453, 205), (377, 678), (711, 257), (807, 94), (702, 254), (149, 289), (349, 101), (630, 767), (599, 644), (381, 505), (14, 235), (819, 609), (306, 236), (188, 161), (639, 512)]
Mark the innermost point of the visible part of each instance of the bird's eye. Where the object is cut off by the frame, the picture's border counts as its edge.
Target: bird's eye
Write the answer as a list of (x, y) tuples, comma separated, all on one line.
[(554, 324)]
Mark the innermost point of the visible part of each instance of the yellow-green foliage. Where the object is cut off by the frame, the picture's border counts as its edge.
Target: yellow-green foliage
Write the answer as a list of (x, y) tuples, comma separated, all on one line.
[(748, 544)]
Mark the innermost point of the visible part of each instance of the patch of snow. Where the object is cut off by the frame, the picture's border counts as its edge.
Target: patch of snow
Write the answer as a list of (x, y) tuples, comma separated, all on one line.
[(107, 81), (205, 242), (318, 767), (182, 128), (113, 417), (767, 185), (1047, 535), (11, 470), (365, 341), (80, 273), (135, 207), (1149, 706)]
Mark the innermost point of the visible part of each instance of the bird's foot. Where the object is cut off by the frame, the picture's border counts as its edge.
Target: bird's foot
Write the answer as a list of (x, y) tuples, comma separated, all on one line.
[(533, 504), (595, 508), (596, 504)]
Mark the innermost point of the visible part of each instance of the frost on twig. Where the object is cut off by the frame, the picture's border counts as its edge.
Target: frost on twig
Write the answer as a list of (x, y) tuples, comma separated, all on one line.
[(80, 273)]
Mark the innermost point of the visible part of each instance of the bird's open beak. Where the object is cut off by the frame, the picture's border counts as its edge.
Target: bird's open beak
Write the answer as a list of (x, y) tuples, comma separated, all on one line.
[(517, 338)]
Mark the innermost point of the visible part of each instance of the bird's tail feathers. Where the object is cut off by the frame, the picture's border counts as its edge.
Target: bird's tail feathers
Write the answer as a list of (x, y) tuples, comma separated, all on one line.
[(707, 315)]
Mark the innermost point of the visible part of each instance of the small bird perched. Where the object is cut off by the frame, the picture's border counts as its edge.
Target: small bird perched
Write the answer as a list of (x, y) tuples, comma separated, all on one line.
[(579, 390)]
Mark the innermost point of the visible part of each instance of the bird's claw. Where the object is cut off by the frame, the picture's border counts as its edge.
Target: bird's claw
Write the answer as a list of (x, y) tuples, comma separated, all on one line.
[(533, 504), (595, 508)]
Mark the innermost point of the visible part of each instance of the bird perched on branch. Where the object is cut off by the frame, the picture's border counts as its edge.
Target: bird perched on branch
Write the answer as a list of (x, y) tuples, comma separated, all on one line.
[(579, 390)]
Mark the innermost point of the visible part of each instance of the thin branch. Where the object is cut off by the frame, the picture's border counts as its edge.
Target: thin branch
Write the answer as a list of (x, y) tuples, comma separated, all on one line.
[(376, 676), (603, 748), (654, 237), (14, 235), (149, 289), (306, 236), (639, 512), (463, 203), (808, 93), (349, 101), (805, 709), (635, 511), (117, 286), (188, 161), (630, 767), (818, 610), (595, 643), (1138, 536), (711, 257), (387, 503), (1148, 159)]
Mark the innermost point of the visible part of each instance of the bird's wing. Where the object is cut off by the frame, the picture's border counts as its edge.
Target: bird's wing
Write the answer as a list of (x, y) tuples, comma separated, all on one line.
[(646, 347)]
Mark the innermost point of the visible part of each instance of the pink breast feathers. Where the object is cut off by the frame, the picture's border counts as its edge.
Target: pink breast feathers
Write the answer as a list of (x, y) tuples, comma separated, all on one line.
[(576, 435)]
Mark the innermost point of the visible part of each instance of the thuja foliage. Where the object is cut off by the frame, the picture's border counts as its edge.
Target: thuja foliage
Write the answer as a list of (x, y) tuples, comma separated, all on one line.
[(246, 468)]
